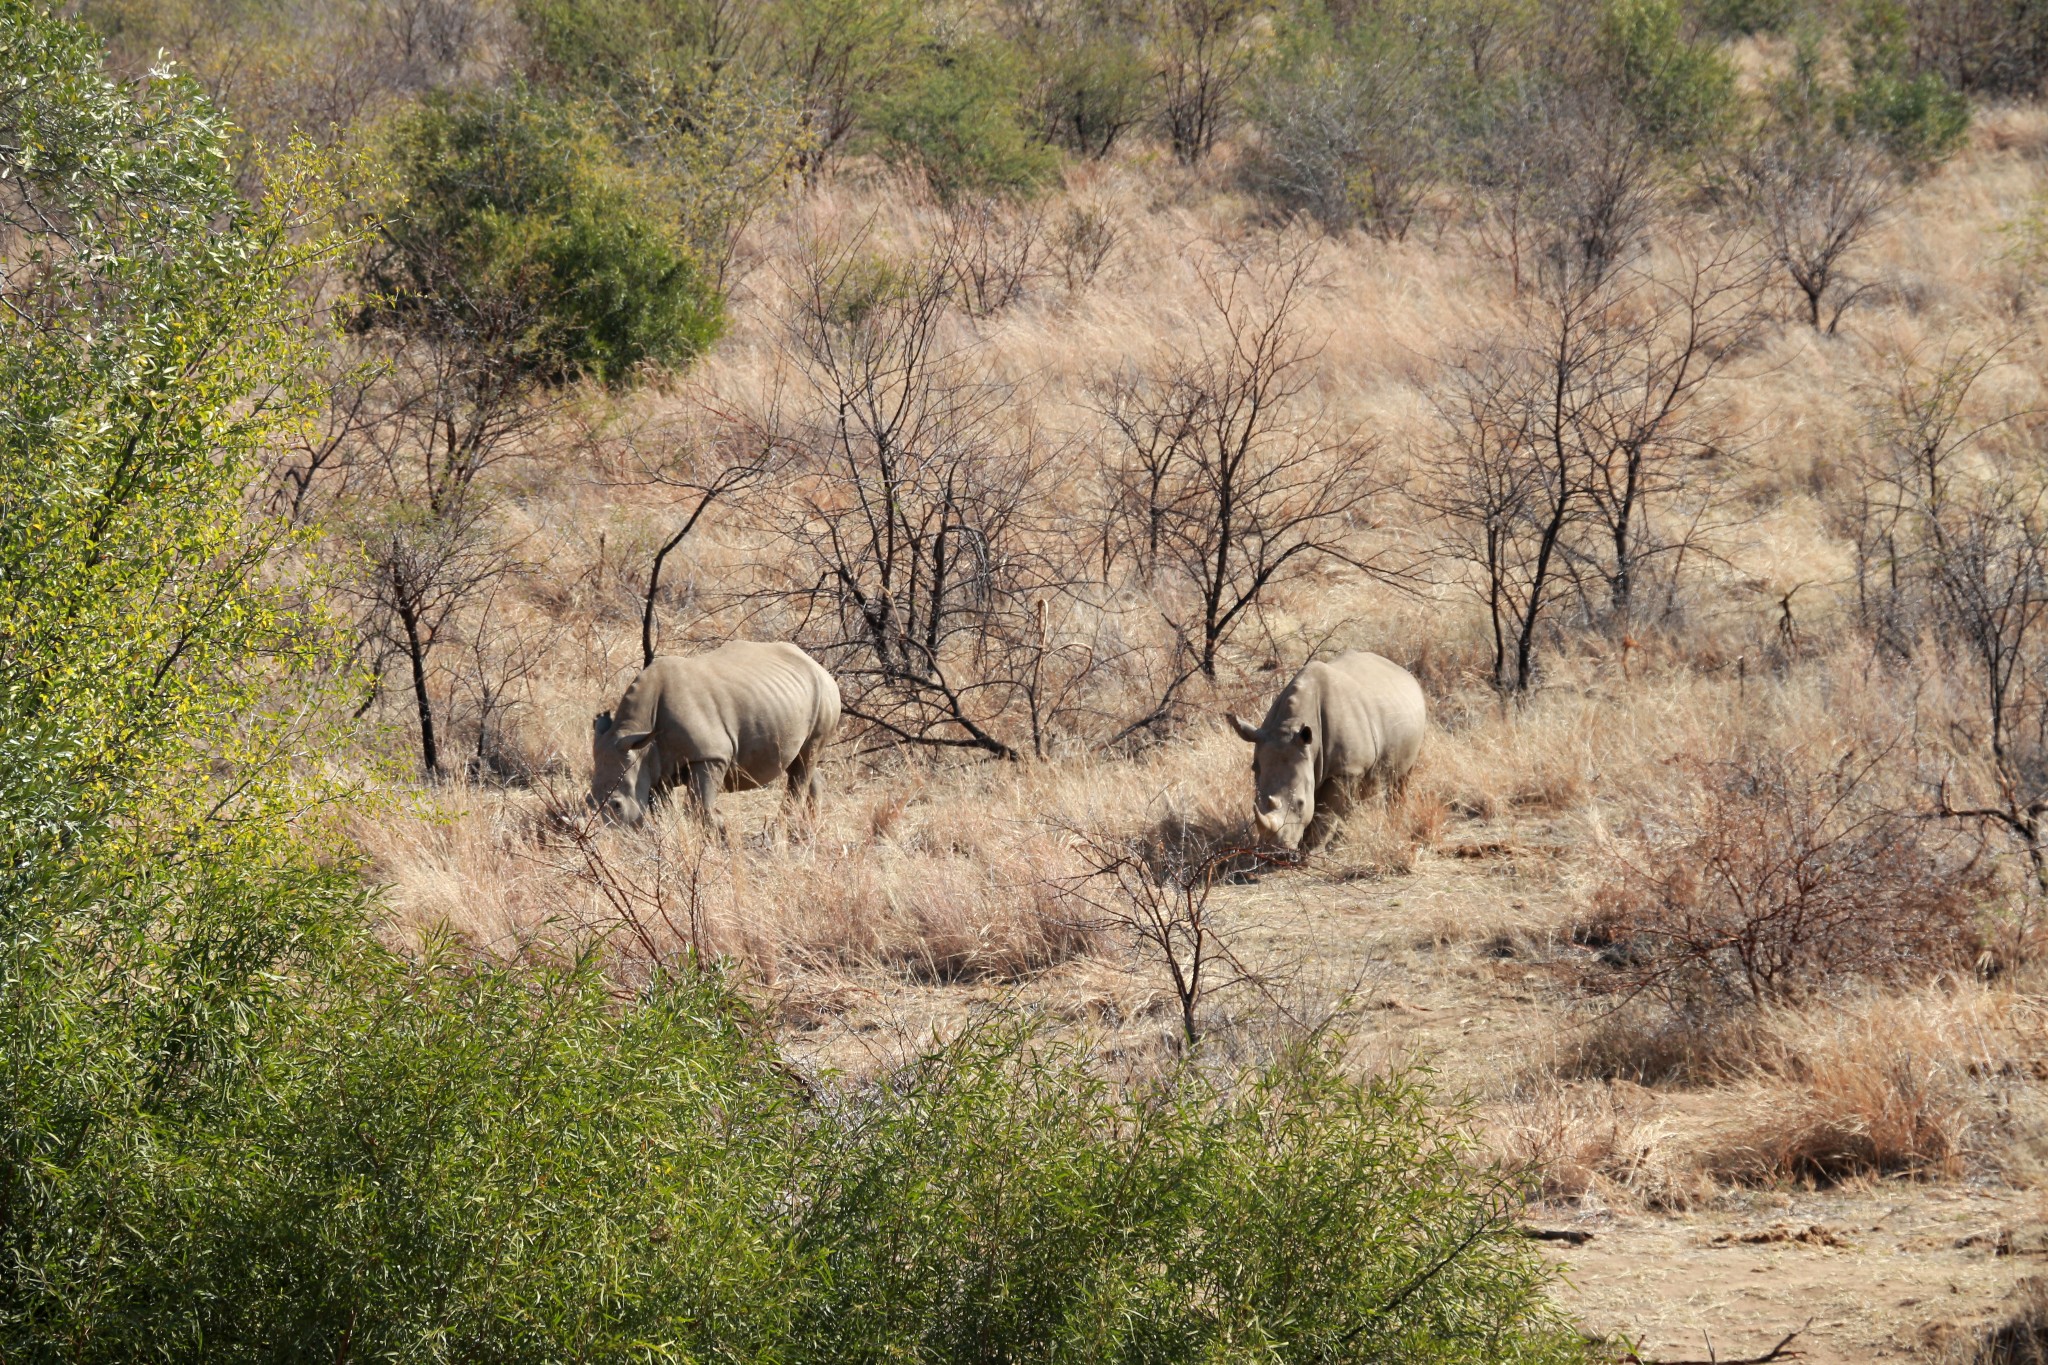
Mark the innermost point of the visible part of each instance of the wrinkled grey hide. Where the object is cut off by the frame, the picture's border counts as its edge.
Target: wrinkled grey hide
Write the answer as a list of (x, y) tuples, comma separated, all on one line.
[(732, 719), (1343, 729)]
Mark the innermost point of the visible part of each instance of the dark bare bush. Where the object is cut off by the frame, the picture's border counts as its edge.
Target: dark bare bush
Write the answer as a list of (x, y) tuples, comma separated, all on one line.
[(1569, 474), (1816, 195), (1207, 50), (1156, 891), (1777, 881), (1223, 479), (1952, 552), (994, 250), (1082, 243), (1352, 143), (1567, 186), (931, 565)]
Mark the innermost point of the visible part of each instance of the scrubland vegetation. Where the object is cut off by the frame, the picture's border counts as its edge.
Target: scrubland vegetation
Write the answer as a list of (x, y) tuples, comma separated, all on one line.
[(385, 382)]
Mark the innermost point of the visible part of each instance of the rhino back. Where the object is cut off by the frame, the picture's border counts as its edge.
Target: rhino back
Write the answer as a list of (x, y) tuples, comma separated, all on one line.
[(752, 704), (1373, 713)]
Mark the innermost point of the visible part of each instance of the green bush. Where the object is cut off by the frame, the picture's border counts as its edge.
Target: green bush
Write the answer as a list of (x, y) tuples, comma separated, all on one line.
[(1917, 116), (515, 220), (1736, 17), (621, 46), (1681, 90), (1000, 1202), (959, 121), (1087, 78)]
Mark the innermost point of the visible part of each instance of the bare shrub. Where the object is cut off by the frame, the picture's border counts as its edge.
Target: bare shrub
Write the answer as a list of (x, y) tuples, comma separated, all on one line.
[(1568, 186), (930, 567), (1207, 48), (1817, 195), (1781, 877), (503, 655), (1952, 543), (736, 458), (1353, 141), (1159, 894), (1082, 241), (416, 505), (1566, 469), (1223, 480), (995, 249)]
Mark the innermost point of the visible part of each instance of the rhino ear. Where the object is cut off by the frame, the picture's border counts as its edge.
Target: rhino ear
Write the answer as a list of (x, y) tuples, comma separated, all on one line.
[(602, 722), (1248, 733), (628, 743), (1306, 737)]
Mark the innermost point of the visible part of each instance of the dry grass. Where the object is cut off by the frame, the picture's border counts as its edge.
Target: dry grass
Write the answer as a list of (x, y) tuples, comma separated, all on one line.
[(969, 901), (1919, 1084), (1597, 1145), (1878, 1085)]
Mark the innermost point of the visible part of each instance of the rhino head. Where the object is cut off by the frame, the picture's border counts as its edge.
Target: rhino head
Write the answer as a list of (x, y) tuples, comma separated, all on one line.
[(1283, 779), (621, 770)]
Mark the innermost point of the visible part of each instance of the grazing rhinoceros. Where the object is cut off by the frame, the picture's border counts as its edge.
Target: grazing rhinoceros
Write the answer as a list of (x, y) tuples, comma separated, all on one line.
[(1342, 729), (732, 719)]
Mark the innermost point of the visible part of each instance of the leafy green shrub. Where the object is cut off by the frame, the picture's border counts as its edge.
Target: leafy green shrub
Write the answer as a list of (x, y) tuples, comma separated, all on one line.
[(1680, 89), (517, 219), (621, 45), (1088, 80), (959, 122), (1733, 17), (1916, 116), (998, 1202), (455, 1162)]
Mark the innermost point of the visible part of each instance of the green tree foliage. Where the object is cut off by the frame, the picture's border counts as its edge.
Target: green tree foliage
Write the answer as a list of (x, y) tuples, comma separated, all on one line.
[(1088, 80), (153, 672), (1085, 1222), (1917, 116), (1679, 88), (624, 46), (843, 58), (959, 121), (1731, 18), (515, 217)]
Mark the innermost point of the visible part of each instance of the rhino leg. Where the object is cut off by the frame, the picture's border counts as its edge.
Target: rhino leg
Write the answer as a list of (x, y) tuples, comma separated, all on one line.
[(1334, 801), (707, 779), (804, 784)]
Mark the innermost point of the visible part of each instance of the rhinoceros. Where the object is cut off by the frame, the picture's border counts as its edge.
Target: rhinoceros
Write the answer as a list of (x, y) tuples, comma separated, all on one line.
[(1343, 729), (731, 719)]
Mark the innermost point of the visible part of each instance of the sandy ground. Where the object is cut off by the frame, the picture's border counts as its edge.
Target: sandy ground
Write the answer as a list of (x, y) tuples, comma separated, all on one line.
[(1890, 1272)]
